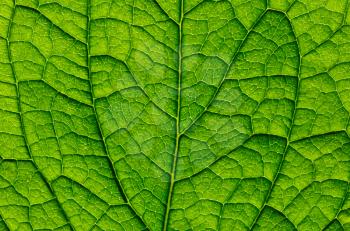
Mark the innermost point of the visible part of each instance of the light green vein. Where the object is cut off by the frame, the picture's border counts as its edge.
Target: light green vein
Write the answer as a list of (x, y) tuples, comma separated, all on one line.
[(178, 135)]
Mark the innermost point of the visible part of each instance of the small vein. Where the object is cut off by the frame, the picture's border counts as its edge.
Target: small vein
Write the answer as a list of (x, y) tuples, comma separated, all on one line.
[(61, 6), (320, 135), (331, 35), (343, 201), (216, 160), (288, 137), (226, 73), (331, 223), (164, 12), (137, 83), (55, 132), (81, 185), (117, 180), (49, 20), (302, 190), (285, 217), (21, 118), (4, 221), (195, 6)]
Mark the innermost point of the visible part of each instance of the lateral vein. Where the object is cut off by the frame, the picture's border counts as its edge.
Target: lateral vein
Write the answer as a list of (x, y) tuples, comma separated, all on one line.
[(46, 181), (118, 182)]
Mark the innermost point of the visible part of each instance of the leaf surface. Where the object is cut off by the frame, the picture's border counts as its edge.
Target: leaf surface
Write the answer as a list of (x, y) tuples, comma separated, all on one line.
[(174, 115)]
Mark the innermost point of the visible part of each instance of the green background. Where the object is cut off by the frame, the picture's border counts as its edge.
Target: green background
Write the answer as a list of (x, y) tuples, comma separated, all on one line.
[(174, 115)]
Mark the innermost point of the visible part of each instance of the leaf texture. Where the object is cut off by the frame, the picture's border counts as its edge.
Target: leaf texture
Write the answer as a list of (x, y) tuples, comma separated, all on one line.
[(174, 115)]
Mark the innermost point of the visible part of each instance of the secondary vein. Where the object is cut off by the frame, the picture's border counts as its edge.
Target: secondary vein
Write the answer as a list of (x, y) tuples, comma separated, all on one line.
[(288, 138), (46, 181), (234, 57), (121, 190)]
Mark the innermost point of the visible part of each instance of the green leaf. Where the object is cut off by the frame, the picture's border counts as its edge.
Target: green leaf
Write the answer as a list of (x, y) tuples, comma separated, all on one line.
[(174, 115)]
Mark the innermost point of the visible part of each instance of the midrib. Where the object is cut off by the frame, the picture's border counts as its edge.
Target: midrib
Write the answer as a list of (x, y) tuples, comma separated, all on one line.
[(178, 134)]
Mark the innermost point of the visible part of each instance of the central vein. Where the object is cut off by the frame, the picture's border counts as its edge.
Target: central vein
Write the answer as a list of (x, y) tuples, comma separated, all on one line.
[(178, 134)]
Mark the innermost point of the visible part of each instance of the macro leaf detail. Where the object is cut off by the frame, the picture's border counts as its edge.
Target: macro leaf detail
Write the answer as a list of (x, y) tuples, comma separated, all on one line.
[(174, 115)]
